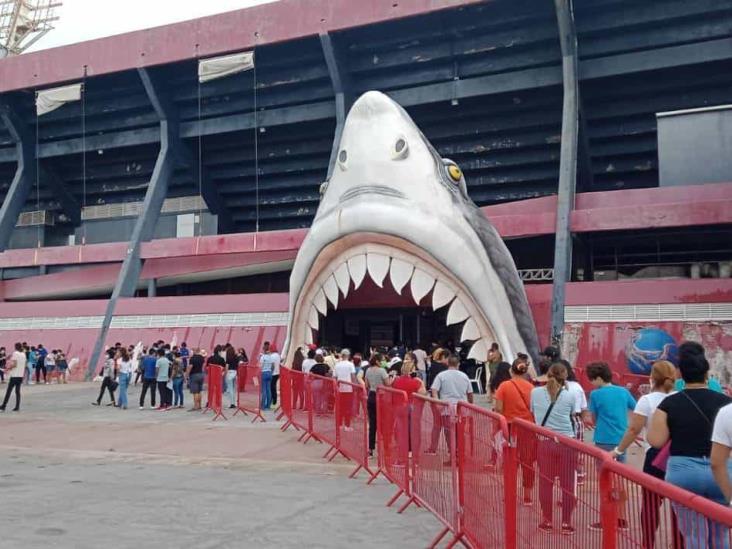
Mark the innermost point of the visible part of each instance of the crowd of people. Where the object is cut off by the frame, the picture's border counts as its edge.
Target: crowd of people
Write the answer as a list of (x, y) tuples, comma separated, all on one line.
[(165, 371), (684, 421)]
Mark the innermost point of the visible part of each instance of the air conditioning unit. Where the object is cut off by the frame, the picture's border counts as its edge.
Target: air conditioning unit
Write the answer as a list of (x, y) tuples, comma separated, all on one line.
[(36, 218)]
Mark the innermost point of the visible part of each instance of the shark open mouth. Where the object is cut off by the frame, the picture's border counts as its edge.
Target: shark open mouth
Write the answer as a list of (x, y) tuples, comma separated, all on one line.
[(394, 210)]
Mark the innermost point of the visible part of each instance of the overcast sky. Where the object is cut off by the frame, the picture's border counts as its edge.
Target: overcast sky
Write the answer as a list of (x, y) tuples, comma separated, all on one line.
[(86, 19)]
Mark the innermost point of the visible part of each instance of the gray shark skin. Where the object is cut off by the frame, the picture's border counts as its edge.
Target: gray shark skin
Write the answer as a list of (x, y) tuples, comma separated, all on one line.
[(393, 207)]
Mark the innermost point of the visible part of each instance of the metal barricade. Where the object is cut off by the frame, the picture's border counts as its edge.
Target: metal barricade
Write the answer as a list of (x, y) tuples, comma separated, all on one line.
[(249, 391), (393, 411), (322, 396), (487, 478), (215, 376), (286, 398), (352, 420), (556, 463), (658, 514), (434, 465)]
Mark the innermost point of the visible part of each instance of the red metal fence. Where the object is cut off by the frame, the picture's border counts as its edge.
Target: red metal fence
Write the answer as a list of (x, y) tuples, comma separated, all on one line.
[(249, 391), (496, 485), (215, 381)]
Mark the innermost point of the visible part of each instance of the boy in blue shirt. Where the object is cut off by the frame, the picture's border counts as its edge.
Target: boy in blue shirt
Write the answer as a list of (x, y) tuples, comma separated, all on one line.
[(609, 405)]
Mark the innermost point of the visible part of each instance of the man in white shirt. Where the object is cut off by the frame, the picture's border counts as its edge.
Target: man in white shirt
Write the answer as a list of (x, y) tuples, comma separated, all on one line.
[(721, 447), (309, 362), (453, 386), (345, 373), (275, 373), (15, 368)]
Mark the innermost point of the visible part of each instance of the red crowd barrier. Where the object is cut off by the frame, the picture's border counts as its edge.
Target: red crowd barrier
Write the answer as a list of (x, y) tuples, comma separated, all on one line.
[(215, 377), (434, 470), (286, 400), (322, 393), (486, 474), (393, 444), (353, 425), (249, 391)]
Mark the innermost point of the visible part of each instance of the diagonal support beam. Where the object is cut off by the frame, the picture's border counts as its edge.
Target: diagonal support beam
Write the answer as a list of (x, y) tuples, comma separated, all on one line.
[(69, 205), (341, 82), (25, 174), (144, 228), (567, 163)]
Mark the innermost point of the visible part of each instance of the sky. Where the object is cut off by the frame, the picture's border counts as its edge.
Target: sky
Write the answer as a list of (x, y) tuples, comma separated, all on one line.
[(87, 19)]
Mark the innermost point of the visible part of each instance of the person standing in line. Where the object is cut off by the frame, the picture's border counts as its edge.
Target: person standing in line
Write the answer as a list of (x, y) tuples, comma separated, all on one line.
[(195, 376), (16, 367), (421, 357), (686, 419), (298, 381), (552, 406), (375, 376), (125, 374), (277, 359), (41, 354), (309, 361), (267, 364), (185, 354), (63, 367), (494, 359), (345, 374), (32, 357), (452, 386), (162, 376), (232, 366), (721, 447), (662, 383), (50, 363), (512, 399), (108, 383), (438, 364), (178, 377), (149, 382), (501, 374)]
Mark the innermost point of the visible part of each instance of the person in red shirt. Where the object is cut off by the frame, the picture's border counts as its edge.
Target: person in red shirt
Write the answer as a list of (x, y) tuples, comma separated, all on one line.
[(513, 400), (408, 380)]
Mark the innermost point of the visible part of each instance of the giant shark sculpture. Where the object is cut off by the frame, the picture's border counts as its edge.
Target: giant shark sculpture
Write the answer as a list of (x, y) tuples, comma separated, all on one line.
[(393, 207)]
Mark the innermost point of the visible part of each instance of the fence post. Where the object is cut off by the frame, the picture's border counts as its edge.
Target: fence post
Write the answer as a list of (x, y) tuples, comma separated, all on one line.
[(510, 490), (609, 498)]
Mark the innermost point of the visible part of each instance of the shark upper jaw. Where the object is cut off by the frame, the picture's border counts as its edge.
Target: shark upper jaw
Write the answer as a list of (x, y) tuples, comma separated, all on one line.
[(388, 211)]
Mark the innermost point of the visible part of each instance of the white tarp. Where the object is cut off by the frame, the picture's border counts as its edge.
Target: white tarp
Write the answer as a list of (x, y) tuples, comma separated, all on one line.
[(218, 67), (50, 100)]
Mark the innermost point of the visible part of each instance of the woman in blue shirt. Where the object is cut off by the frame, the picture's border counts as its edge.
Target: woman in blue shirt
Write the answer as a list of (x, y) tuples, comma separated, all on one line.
[(553, 406)]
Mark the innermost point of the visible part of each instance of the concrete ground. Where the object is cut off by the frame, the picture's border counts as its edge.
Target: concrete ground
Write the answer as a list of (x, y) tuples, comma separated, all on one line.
[(78, 476)]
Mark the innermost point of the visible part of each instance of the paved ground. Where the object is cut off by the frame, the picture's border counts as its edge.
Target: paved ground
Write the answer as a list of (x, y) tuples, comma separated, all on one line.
[(76, 476)]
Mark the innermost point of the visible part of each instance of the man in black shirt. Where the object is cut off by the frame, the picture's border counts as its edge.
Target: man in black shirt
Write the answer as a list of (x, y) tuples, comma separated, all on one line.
[(194, 374)]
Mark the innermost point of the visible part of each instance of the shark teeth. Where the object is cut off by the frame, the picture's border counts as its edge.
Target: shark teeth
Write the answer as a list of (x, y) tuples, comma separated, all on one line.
[(378, 266), (334, 288)]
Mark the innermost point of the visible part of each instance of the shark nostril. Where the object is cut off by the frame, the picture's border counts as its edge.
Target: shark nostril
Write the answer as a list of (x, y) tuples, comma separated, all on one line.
[(343, 159), (401, 149), (400, 144)]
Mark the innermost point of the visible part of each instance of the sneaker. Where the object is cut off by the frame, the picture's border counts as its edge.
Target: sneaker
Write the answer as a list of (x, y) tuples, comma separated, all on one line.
[(142, 407), (232, 406), (596, 526), (567, 530), (153, 408), (111, 404), (95, 404), (546, 526), (15, 410)]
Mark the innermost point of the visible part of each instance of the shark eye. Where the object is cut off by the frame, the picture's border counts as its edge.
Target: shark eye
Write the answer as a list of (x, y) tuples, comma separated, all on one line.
[(455, 173), (401, 149), (343, 159)]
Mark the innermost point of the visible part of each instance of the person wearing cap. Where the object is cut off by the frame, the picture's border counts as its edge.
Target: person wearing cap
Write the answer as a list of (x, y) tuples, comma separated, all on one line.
[(345, 374)]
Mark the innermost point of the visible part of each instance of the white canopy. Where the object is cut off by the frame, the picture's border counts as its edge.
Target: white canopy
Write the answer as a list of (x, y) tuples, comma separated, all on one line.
[(52, 99), (218, 67)]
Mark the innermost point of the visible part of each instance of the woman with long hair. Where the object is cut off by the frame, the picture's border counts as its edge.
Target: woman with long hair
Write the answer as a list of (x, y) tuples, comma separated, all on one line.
[(109, 373), (662, 383), (502, 372), (553, 406), (125, 374), (298, 381), (685, 421), (232, 365)]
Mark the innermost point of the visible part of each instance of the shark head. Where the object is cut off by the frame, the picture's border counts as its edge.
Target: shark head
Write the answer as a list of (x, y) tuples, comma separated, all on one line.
[(393, 207)]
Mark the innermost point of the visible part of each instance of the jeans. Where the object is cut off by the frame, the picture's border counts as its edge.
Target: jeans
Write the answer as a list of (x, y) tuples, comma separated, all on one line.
[(651, 504), (106, 384), (148, 384), (695, 475), (124, 381), (266, 390), (29, 373), (231, 386), (15, 383), (555, 461), (273, 388), (178, 391), (164, 394)]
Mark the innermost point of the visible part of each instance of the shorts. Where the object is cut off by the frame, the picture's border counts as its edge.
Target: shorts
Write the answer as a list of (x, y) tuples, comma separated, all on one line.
[(196, 383)]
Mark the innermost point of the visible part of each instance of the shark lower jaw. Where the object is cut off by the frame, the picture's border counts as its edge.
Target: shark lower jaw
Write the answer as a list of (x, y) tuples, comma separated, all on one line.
[(342, 265)]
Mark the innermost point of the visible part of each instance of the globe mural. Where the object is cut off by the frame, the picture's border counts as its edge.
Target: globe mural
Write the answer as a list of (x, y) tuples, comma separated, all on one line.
[(648, 345)]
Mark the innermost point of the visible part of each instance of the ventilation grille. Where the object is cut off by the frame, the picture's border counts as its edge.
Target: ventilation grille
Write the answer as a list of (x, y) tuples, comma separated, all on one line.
[(147, 321), (36, 218), (649, 313), (536, 275), (133, 209)]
